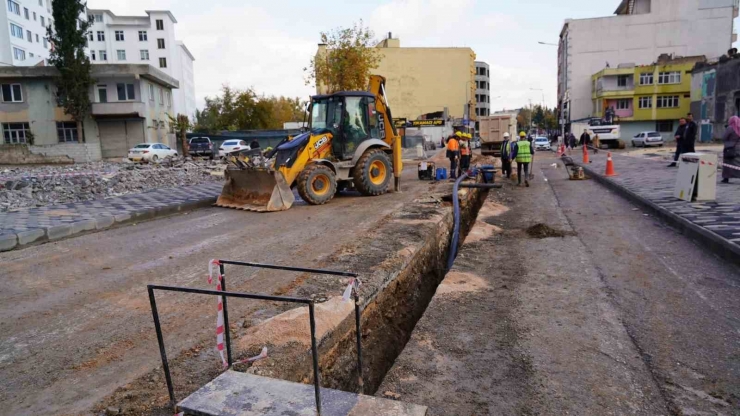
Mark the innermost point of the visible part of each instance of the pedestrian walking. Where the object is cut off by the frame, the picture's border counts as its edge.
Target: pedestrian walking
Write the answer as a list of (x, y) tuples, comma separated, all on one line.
[(679, 136), (596, 143), (506, 156), (585, 139), (465, 153), (731, 153), (571, 140), (523, 152), (453, 153), (690, 137)]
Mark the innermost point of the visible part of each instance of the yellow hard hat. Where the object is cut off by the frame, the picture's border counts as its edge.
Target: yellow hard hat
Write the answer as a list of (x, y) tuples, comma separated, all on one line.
[(458, 134), (522, 134), (469, 136)]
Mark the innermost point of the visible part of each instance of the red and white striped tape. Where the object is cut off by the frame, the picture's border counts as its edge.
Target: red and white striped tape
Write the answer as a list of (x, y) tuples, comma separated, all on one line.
[(220, 308)]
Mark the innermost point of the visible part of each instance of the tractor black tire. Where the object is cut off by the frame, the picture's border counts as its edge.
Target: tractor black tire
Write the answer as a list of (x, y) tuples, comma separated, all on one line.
[(373, 173), (317, 184)]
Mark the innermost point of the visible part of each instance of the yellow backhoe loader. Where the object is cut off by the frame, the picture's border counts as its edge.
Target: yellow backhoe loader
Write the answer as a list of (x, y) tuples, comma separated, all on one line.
[(351, 143)]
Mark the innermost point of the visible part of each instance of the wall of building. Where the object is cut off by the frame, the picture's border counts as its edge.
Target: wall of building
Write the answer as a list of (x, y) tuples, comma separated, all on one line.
[(185, 95), (33, 47), (677, 27), (483, 89), (715, 96), (418, 82)]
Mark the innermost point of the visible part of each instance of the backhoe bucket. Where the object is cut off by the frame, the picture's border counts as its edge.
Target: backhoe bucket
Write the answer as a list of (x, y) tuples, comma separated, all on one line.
[(255, 190)]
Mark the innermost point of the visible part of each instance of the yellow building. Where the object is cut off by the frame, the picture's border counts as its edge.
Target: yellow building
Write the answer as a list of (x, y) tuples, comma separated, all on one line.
[(647, 97), (426, 80)]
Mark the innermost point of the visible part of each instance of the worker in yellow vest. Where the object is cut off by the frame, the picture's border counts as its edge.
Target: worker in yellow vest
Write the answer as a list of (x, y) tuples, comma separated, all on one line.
[(522, 153), (465, 153), (453, 153)]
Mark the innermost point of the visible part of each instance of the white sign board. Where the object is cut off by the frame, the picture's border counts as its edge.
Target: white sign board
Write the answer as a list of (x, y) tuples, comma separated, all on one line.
[(697, 174), (686, 179)]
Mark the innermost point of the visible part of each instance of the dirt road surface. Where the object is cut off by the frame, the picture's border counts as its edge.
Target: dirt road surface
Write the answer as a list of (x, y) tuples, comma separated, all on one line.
[(76, 317)]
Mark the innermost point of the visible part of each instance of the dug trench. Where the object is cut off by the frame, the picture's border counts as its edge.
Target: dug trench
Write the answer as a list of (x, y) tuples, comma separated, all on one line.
[(400, 262)]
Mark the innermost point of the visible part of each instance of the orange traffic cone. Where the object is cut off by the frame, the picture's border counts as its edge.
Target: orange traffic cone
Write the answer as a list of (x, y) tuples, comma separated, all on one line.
[(610, 165), (585, 154)]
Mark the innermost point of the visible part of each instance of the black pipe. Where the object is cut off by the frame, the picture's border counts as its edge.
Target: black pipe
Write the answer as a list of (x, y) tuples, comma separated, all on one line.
[(232, 294), (162, 353), (315, 354), (294, 269), (358, 329), (226, 315)]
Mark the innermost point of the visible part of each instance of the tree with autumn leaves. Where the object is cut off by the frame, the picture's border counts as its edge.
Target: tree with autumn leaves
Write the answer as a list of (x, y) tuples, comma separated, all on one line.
[(346, 61)]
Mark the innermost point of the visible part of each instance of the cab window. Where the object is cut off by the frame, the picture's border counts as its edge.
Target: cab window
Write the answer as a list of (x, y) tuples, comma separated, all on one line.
[(373, 118)]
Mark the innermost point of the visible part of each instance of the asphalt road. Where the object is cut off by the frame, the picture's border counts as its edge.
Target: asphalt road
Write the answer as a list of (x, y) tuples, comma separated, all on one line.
[(76, 321)]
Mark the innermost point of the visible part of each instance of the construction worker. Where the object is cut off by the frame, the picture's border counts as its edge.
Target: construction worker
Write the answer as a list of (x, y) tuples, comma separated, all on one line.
[(453, 153), (506, 155), (465, 152), (523, 152)]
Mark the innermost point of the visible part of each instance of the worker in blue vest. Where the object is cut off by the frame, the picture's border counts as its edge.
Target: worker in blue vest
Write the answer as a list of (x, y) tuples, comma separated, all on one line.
[(522, 152)]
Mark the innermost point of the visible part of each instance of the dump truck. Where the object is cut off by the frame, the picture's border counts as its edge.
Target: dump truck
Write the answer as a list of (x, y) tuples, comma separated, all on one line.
[(492, 129), (351, 143)]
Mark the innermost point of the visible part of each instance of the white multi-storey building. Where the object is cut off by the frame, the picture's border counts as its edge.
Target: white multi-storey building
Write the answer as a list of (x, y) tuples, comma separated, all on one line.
[(639, 32), (482, 89), (145, 40), (23, 41)]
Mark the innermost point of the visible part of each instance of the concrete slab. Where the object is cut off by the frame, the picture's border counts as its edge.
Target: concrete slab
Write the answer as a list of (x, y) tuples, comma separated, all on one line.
[(8, 241), (103, 222), (240, 394), (56, 232), (28, 237), (81, 226)]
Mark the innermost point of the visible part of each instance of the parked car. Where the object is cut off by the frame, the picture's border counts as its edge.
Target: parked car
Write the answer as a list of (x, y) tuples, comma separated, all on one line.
[(647, 138), (201, 146), (541, 143), (232, 146), (476, 142), (150, 152)]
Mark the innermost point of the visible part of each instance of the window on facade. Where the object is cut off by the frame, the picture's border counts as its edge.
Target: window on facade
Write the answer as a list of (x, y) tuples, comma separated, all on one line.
[(91, 36), (121, 54), (161, 96), (126, 92), (103, 93), (31, 54), (160, 24), (42, 20), (101, 36), (143, 36), (144, 55), (664, 126), (34, 16), (622, 80), (11, 93), (46, 44), (15, 133), (92, 55), (103, 55), (67, 131), (19, 54), (673, 77), (29, 36), (151, 92), (646, 102), (119, 35), (646, 78), (168, 98), (668, 101), (25, 13), (623, 104), (16, 31), (163, 62), (37, 38), (160, 43), (98, 18), (14, 7)]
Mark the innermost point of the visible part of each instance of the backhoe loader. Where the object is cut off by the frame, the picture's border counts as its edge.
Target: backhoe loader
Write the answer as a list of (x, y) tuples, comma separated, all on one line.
[(350, 143)]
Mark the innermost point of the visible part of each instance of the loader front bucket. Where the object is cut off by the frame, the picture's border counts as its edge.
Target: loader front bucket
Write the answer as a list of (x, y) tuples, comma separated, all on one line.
[(255, 190)]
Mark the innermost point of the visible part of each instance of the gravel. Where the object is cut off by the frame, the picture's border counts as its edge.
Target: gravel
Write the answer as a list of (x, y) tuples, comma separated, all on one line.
[(36, 186)]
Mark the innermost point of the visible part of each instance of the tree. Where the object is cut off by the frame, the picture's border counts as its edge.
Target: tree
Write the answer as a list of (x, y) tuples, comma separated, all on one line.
[(523, 119), (538, 118), (68, 42), (346, 63), (180, 126)]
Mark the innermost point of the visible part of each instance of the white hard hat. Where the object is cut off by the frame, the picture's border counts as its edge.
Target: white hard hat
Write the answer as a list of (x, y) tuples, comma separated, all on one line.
[(506, 135)]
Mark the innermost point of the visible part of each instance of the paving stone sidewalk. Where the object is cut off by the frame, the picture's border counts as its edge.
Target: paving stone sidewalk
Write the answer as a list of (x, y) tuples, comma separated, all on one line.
[(651, 179), (49, 223)]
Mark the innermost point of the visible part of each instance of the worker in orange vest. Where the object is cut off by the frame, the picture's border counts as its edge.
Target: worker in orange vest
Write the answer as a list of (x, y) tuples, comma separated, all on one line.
[(465, 153), (453, 153)]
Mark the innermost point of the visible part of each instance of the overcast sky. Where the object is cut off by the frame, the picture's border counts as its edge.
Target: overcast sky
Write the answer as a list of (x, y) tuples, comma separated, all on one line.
[(266, 44)]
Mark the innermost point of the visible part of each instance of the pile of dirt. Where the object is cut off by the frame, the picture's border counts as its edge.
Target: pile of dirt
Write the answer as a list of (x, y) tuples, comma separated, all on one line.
[(545, 231), (36, 186)]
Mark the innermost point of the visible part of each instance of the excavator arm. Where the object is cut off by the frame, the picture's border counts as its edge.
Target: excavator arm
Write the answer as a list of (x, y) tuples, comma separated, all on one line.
[(388, 129)]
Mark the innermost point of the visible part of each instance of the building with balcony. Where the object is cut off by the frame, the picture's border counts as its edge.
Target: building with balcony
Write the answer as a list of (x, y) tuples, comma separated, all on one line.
[(715, 96), (23, 39), (482, 89), (147, 40), (645, 97), (638, 31), (130, 105)]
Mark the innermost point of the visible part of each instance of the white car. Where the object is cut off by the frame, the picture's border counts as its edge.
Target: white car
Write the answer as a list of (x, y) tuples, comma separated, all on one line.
[(231, 146), (541, 143), (647, 138), (150, 152)]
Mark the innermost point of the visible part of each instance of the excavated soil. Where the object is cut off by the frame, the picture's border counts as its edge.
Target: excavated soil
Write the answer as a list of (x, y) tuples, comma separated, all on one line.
[(545, 231)]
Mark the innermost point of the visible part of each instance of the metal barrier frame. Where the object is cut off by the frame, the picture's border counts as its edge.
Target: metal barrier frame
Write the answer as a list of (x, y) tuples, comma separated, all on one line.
[(224, 295)]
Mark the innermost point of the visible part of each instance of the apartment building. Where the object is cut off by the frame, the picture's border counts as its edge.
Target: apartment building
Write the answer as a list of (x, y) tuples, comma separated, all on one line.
[(131, 105), (482, 89), (645, 97), (639, 31), (23, 42), (148, 40)]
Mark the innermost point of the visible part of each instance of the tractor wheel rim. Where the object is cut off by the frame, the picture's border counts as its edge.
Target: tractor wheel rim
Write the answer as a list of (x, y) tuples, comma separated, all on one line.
[(320, 185), (378, 172)]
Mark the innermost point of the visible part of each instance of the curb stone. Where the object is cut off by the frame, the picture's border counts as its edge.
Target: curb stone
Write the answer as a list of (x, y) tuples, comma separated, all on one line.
[(8, 241), (28, 237), (710, 240), (58, 231)]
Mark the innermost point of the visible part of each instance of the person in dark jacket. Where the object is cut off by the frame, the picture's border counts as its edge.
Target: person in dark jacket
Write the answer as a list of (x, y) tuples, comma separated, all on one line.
[(506, 155), (585, 139), (254, 145), (571, 140), (731, 151), (679, 136), (690, 137)]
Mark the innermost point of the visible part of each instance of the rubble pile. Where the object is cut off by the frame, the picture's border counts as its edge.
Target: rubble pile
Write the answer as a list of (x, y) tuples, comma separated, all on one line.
[(35, 186)]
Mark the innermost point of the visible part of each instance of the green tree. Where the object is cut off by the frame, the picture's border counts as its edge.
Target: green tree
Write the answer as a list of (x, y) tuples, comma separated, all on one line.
[(347, 62), (180, 126), (523, 119), (538, 118), (68, 42)]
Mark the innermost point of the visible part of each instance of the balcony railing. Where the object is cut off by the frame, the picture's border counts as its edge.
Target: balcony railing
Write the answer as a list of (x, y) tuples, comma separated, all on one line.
[(119, 108)]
